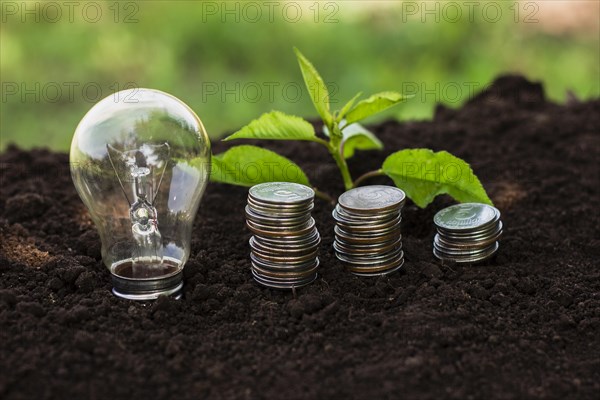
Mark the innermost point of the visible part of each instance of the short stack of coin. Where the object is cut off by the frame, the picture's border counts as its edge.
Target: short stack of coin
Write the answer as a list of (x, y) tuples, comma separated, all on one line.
[(367, 233), (467, 233), (285, 244)]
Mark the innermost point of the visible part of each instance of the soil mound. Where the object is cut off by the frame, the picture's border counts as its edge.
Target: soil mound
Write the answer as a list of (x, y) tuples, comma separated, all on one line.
[(525, 325)]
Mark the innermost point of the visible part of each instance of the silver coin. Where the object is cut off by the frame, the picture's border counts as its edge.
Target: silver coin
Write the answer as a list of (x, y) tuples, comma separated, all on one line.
[(488, 229), (365, 220), (274, 252), (287, 241), (269, 273), (495, 229), (298, 240), (371, 261), (286, 268), (288, 279), (275, 220), (453, 243), (377, 271), (470, 260), (383, 273), (375, 239), (279, 228), (350, 227), (282, 207), (375, 232), (307, 253), (276, 255), (458, 249), (354, 257), (266, 264), (466, 217), (464, 252), (366, 253), (283, 211), (279, 205), (286, 225), (358, 217), (282, 265), (361, 219), (285, 258), (367, 245), (284, 233), (286, 249), (302, 242), (456, 252), (276, 284), (281, 193), (294, 271), (372, 199), (366, 250)]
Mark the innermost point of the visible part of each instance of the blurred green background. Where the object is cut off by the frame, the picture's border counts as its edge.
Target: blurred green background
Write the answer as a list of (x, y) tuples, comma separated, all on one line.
[(232, 61)]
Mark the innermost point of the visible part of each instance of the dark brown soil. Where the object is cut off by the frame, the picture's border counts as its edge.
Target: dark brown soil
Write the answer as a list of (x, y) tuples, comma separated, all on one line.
[(525, 325)]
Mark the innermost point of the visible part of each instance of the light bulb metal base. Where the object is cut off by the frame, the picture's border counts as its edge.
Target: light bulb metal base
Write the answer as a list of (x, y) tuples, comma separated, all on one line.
[(149, 294), (148, 288)]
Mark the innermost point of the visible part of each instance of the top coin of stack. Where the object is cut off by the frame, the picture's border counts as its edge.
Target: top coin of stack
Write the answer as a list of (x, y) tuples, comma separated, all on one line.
[(286, 242), (467, 233), (367, 232)]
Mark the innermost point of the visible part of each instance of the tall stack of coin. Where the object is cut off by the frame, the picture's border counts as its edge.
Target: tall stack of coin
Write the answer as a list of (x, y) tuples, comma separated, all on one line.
[(367, 232), (467, 233), (285, 244)]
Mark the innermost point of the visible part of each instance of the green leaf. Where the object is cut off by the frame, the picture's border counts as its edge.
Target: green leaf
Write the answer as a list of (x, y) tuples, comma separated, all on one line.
[(316, 87), (373, 105), (348, 106), (423, 174), (249, 165), (356, 137), (276, 126)]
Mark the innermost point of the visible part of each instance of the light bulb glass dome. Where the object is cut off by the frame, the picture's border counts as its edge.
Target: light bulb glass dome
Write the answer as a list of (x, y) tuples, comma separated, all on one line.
[(140, 160)]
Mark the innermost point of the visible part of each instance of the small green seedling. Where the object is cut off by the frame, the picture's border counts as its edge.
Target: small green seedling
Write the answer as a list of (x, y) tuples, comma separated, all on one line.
[(421, 173)]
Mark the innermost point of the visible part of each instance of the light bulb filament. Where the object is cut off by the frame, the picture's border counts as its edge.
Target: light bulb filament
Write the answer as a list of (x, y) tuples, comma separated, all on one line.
[(148, 249)]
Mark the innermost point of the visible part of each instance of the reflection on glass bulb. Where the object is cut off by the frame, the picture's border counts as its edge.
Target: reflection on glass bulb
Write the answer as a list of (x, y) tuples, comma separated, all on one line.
[(140, 160)]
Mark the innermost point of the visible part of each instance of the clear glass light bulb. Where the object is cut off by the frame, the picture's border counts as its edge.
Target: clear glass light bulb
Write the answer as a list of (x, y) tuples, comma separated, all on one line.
[(140, 160)]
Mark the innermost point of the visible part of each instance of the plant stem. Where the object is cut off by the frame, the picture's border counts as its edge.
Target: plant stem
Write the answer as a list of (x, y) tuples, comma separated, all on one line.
[(343, 167), (324, 196), (336, 149), (367, 175), (320, 141)]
